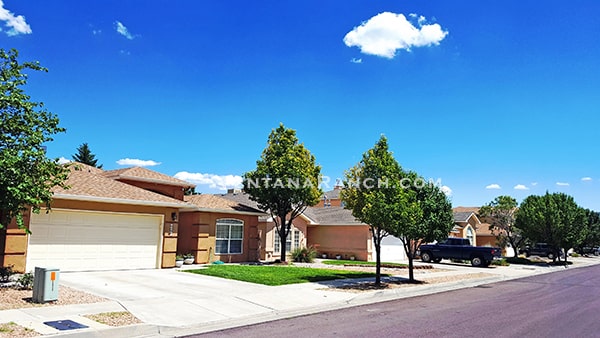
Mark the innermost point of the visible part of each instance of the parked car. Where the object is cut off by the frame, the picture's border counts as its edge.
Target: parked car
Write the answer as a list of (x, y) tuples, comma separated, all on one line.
[(589, 250), (542, 250), (459, 248)]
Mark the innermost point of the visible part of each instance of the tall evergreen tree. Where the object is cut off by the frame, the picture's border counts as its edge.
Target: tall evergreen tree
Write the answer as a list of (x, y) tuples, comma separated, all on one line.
[(84, 155)]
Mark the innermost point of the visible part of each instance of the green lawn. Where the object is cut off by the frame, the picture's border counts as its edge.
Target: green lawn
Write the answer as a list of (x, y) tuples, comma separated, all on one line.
[(363, 263), (277, 275)]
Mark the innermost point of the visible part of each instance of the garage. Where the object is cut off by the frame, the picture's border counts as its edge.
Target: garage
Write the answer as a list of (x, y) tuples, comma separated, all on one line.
[(392, 250), (87, 241)]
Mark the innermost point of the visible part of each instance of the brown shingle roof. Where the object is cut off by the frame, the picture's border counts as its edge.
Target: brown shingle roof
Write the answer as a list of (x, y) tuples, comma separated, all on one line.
[(332, 215), (88, 183), (216, 203), (483, 228), (146, 175)]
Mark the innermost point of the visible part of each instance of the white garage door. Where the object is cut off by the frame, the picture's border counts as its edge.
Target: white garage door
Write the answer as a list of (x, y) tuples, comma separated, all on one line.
[(82, 241), (392, 250)]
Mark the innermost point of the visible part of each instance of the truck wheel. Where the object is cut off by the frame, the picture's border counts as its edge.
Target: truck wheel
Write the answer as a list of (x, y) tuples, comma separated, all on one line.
[(477, 261), (527, 254), (426, 257), (550, 255), (437, 260)]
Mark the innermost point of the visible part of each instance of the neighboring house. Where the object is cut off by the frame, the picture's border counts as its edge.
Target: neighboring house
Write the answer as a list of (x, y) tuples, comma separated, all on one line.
[(269, 241), (465, 226), (332, 230), (119, 219), (219, 229), (484, 235)]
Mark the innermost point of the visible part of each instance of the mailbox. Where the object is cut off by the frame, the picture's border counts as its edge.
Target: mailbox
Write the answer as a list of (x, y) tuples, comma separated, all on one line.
[(45, 284)]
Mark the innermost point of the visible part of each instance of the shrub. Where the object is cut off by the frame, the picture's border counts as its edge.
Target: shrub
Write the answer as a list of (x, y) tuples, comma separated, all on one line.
[(501, 262), (304, 255), (26, 281), (5, 273)]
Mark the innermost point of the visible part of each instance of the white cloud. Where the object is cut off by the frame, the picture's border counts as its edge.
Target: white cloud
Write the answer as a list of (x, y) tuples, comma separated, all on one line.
[(355, 60), (520, 187), (136, 162), (493, 186), (221, 182), (386, 32), (533, 184), (63, 160), (586, 179), (562, 184), (121, 29), (446, 190), (16, 24)]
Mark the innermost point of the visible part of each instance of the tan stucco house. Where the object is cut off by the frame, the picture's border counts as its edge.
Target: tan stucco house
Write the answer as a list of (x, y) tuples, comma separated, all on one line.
[(125, 219)]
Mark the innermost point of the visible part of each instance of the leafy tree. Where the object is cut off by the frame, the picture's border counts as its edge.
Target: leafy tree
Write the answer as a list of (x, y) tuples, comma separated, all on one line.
[(592, 225), (374, 193), (552, 218), (500, 214), (26, 175), (285, 181), (85, 156), (435, 222)]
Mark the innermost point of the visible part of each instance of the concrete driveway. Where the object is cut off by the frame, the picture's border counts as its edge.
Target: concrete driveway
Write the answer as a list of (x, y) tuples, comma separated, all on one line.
[(174, 298)]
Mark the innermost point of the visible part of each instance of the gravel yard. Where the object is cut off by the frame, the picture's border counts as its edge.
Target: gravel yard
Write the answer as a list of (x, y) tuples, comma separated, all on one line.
[(16, 299)]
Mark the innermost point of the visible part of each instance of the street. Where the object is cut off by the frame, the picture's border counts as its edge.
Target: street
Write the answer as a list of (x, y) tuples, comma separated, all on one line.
[(559, 304)]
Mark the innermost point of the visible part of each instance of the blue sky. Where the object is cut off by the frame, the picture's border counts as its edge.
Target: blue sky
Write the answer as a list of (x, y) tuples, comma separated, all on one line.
[(491, 98)]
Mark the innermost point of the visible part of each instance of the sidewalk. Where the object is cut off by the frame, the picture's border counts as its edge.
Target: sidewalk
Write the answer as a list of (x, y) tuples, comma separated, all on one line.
[(171, 303)]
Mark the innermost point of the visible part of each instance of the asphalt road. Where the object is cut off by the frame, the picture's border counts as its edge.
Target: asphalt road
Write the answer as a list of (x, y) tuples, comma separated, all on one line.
[(560, 304)]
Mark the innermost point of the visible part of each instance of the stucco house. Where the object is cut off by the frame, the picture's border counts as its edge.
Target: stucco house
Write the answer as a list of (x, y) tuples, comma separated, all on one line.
[(126, 219), (331, 229)]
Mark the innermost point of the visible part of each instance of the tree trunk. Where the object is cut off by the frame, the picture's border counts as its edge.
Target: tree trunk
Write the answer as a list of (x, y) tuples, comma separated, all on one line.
[(378, 262), (283, 237), (411, 274)]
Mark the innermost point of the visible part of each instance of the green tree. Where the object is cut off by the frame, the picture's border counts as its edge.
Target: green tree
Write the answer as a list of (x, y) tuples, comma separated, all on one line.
[(552, 218), (84, 155), (434, 219), (373, 192), (592, 225), (285, 181), (500, 214), (26, 174)]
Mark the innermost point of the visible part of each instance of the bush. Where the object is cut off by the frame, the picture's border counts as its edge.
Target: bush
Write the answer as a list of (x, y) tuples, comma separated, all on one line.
[(501, 262), (5, 273), (26, 281), (304, 255)]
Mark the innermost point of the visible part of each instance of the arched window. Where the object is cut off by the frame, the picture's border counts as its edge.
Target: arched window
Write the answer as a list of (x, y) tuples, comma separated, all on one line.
[(470, 235), (229, 236)]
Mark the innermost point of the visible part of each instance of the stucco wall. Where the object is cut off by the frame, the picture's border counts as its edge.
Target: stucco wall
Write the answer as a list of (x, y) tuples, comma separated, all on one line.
[(197, 236), (344, 240)]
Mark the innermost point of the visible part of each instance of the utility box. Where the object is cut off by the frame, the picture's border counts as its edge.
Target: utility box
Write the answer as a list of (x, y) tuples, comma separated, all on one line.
[(45, 284)]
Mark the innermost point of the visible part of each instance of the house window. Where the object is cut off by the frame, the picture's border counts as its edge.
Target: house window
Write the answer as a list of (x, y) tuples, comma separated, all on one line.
[(296, 239), (230, 234), (470, 235), (292, 236)]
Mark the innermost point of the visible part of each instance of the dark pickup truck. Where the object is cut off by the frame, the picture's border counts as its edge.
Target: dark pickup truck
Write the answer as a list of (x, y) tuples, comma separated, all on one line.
[(459, 248)]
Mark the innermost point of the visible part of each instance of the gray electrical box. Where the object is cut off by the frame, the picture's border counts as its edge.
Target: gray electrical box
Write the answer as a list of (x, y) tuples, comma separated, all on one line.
[(45, 284)]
